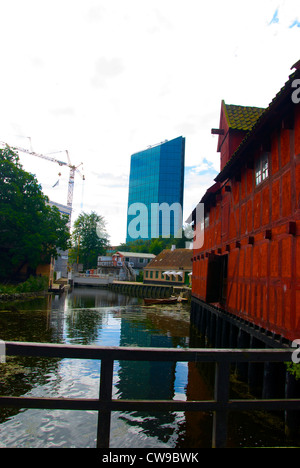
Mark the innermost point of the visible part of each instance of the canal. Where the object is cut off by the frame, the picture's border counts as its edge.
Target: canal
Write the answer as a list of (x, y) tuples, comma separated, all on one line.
[(104, 318)]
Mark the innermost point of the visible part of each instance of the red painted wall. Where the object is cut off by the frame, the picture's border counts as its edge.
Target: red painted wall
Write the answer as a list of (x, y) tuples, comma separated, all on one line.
[(229, 141), (263, 284)]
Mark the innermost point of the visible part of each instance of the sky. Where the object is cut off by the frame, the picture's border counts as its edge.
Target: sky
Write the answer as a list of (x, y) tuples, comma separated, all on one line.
[(102, 79)]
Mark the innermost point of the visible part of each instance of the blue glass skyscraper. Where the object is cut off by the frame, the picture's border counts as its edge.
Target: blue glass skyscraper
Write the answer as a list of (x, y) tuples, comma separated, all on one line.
[(155, 199)]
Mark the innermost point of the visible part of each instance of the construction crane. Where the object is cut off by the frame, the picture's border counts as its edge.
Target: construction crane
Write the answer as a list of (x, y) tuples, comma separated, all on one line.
[(72, 168)]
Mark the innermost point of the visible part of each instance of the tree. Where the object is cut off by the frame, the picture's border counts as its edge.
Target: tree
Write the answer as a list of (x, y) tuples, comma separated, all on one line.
[(154, 245), (89, 239), (31, 230)]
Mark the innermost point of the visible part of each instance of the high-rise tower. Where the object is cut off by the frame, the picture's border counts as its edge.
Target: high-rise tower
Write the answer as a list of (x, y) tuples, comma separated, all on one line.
[(155, 200)]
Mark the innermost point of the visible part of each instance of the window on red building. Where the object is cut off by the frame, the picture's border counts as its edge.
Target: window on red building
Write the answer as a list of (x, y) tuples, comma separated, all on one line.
[(261, 168)]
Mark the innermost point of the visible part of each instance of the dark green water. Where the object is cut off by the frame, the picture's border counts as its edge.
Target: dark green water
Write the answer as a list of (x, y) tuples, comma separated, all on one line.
[(87, 316)]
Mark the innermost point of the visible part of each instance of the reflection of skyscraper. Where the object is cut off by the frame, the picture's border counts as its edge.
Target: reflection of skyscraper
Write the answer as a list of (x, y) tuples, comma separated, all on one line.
[(156, 177), (152, 379), (146, 380)]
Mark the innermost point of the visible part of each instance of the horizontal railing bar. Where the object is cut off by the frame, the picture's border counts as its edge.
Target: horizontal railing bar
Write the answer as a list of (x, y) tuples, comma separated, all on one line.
[(51, 403), (147, 354), (203, 405), (111, 405), (147, 405), (267, 405)]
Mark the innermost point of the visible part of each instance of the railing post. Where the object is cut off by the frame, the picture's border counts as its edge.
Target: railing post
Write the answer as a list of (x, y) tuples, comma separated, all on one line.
[(220, 420), (105, 394)]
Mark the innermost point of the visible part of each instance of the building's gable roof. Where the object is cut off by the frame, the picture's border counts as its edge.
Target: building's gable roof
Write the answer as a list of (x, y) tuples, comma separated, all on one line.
[(178, 258), (274, 108), (241, 117), (263, 117)]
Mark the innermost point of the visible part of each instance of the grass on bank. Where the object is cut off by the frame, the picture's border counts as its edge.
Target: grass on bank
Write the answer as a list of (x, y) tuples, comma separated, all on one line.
[(32, 284)]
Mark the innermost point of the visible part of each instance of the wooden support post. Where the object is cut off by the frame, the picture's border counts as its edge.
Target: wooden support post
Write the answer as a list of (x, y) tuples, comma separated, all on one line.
[(255, 369), (274, 380), (104, 417), (292, 418), (221, 396), (213, 321), (233, 335), (243, 341), (218, 332), (225, 334)]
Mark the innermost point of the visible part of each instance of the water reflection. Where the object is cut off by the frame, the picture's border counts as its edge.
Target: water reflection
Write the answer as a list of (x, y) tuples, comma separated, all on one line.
[(91, 297), (99, 317), (153, 380)]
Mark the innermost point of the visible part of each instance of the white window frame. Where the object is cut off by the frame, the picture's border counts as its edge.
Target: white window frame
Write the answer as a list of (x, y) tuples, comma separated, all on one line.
[(261, 169)]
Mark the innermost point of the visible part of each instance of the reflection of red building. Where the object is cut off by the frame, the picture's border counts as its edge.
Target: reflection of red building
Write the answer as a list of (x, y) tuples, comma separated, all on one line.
[(250, 260)]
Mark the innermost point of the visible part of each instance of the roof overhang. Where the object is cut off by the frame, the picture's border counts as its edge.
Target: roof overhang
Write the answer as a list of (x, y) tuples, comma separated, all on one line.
[(274, 112)]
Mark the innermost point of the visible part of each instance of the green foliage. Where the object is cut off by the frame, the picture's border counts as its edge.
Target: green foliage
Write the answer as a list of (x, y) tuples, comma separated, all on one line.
[(140, 276), (294, 369), (32, 284), (30, 229), (89, 239), (7, 289), (154, 246)]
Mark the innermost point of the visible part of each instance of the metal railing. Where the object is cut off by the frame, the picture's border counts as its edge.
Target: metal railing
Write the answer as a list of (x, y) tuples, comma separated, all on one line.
[(221, 405)]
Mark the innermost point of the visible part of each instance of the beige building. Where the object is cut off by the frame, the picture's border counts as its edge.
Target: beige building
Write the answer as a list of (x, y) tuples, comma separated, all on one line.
[(173, 267)]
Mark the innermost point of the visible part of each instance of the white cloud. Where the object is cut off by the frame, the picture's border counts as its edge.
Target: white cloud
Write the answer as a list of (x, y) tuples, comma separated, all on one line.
[(106, 79), (105, 69)]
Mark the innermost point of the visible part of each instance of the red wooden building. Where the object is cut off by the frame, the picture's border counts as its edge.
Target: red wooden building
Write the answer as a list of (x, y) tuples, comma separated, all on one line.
[(249, 263)]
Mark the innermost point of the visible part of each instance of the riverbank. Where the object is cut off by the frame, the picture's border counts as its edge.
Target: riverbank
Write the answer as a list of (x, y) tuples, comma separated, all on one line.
[(33, 287), (8, 297), (150, 290)]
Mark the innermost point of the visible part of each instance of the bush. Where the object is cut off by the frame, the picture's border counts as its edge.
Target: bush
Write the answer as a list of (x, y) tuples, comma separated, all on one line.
[(33, 284), (140, 277), (294, 369), (7, 289)]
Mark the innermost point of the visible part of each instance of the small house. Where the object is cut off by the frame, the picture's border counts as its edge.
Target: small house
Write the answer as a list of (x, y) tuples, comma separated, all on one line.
[(136, 260), (172, 267)]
